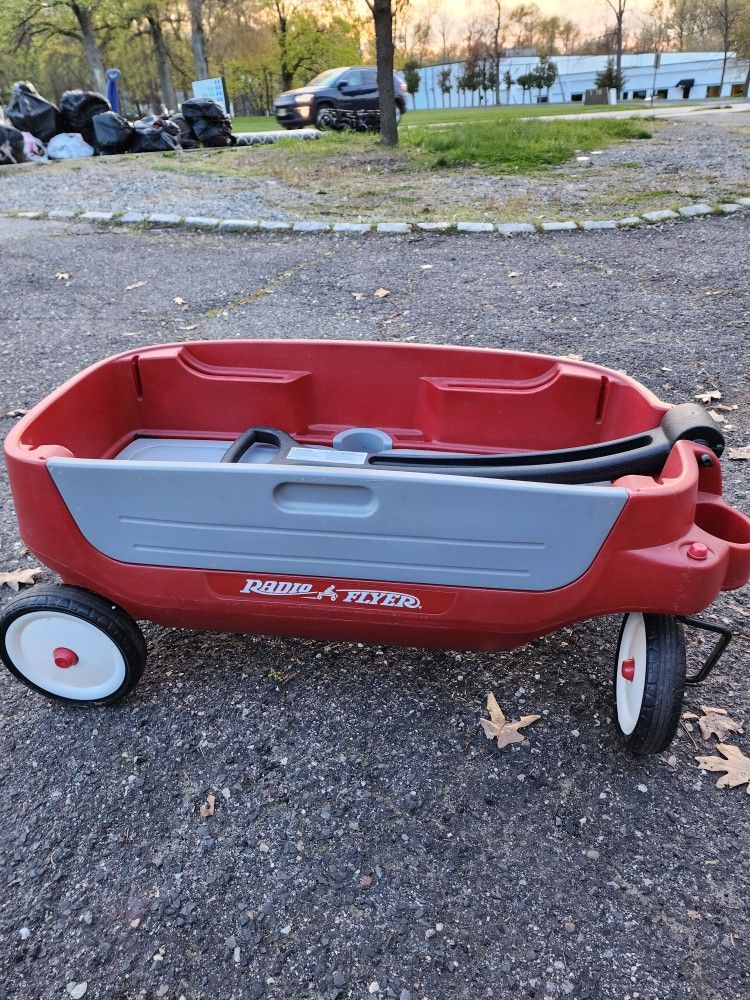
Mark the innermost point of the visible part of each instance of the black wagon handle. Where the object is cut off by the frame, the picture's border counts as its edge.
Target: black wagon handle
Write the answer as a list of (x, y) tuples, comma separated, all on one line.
[(638, 454)]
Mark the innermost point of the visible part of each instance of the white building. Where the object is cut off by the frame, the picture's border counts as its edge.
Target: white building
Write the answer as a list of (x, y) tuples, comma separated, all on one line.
[(673, 76)]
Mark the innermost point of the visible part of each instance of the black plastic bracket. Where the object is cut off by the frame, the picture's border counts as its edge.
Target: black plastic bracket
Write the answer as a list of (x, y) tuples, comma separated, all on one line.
[(725, 637)]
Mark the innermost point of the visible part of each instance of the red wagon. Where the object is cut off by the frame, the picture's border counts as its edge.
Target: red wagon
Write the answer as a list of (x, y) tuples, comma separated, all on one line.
[(429, 496)]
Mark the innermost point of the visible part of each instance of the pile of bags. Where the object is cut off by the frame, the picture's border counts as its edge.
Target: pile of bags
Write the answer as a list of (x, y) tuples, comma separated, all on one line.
[(85, 125)]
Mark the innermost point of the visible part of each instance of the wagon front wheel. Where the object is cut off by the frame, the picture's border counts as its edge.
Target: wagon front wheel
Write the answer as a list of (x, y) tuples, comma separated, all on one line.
[(71, 645), (649, 681)]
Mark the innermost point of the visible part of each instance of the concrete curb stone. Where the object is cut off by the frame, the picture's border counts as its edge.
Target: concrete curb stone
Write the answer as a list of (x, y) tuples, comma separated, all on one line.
[(310, 226), (161, 219), (352, 227), (663, 215), (132, 218), (97, 216), (200, 222), (599, 224), (691, 211), (475, 227), (559, 227), (515, 228), (394, 228), (238, 225)]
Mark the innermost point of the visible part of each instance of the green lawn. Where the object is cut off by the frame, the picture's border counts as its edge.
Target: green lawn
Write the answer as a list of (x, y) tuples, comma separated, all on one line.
[(418, 118)]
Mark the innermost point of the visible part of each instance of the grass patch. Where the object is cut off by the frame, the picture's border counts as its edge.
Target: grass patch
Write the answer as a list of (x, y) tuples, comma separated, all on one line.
[(508, 146), (503, 112)]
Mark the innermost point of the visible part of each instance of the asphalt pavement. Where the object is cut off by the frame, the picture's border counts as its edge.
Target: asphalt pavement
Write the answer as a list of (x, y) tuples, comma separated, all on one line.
[(367, 839)]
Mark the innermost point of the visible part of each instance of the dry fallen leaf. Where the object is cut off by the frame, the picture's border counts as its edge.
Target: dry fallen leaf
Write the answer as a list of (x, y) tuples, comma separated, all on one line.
[(725, 407), (736, 765), (739, 454), (358, 296), (718, 417), (62, 276), (573, 357), (138, 284), (18, 578), (381, 293), (706, 397), (178, 301), (514, 274), (187, 329), (16, 413), (498, 728), (716, 722), (426, 267), (208, 809), (694, 915)]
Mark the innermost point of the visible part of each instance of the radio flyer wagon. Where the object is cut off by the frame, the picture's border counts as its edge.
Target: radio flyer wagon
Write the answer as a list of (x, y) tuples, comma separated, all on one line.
[(430, 496)]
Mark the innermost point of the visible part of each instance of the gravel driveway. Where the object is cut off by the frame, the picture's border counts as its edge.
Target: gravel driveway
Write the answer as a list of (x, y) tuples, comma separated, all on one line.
[(685, 160), (368, 840)]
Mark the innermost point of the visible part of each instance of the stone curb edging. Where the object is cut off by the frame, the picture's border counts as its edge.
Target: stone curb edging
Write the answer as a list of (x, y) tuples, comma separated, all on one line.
[(207, 223)]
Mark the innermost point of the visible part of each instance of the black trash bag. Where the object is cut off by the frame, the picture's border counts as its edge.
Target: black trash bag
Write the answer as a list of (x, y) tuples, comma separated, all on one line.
[(187, 137), (79, 108), (196, 108), (11, 145), (214, 133), (210, 124), (112, 133), (29, 112), (155, 135)]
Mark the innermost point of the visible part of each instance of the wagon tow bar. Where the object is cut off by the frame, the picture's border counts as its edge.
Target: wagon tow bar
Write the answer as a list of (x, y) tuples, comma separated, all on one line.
[(725, 637)]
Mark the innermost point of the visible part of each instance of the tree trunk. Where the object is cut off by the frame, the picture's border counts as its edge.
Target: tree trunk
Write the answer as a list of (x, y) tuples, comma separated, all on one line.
[(91, 47), (383, 17), (168, 94), (620, 16), (726, 17), (747, 82), (198, 39)]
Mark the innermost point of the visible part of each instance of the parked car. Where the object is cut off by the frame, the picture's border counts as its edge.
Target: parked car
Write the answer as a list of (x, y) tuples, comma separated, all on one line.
[(348, 88)]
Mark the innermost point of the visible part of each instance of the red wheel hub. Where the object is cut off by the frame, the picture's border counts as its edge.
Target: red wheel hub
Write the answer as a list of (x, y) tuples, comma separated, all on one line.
[(627, 669), (64, 657)]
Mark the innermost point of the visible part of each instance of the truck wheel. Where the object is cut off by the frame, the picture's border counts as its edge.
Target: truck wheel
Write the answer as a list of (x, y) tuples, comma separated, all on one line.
[(649, 681), (321, 113), (71, 645)]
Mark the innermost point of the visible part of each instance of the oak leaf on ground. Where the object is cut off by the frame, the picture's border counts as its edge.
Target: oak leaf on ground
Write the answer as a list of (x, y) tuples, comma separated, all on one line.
[(735, 765), (17, 578), (498, 728), (739, 454), (716, 722), (208, 808), (709, 396)]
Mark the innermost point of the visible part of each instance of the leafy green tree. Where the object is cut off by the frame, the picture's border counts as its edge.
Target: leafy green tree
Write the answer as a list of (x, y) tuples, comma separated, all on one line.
[(611, 78), (28, 23), (508, 82), (412, 77), (444, 85)]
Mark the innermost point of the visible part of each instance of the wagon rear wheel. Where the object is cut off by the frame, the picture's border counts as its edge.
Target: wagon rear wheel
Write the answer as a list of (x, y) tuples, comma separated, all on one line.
[(649, 681), (71, 645)]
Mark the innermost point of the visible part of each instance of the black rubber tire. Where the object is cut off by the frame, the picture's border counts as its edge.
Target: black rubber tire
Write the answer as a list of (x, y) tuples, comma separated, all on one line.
[(79, 603), (664, 687), (319, 109)]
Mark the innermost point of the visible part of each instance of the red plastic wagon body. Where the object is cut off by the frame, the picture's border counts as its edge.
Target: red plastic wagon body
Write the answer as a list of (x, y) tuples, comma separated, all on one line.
[(395, 507)]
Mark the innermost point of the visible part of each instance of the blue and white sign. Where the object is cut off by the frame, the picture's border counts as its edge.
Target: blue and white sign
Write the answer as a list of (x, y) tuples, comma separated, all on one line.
[(213, 90)]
